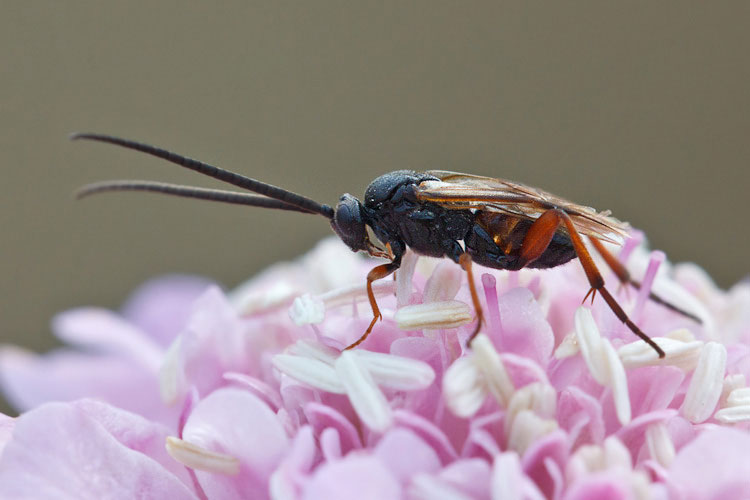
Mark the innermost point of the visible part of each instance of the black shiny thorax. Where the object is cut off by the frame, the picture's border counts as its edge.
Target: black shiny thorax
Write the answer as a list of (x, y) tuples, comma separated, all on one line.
[(397, 217)]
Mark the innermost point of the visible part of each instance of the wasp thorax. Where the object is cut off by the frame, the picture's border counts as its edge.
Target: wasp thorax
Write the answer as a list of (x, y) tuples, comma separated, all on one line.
[(348, 223)]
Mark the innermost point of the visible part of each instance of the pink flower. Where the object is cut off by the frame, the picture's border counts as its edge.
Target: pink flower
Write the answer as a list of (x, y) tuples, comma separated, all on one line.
[(249, 395)]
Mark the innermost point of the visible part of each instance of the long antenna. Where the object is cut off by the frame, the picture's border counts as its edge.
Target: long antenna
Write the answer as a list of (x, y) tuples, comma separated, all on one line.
[(277, 193), (219, 195)]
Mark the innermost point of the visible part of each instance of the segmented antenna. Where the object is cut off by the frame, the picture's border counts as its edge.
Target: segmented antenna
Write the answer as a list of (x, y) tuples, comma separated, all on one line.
[(219, 195), (277, 193)]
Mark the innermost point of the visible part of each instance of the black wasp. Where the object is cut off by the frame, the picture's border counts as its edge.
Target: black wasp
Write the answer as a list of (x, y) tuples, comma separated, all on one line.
[(502, 224)]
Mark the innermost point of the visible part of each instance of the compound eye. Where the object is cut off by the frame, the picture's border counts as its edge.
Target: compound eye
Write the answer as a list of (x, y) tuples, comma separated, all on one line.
[(348, 224)]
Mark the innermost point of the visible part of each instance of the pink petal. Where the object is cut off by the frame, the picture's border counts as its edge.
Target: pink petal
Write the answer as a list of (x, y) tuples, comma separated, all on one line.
[(429, 432), (525, 329), (653, 387), (355, 477), (61, 451), (468, 475), (26, 376), (6, 430), (552, 447), (161, 306), (323, 417), (239, 424), (406, 455), (215, 342), (713, 466), (102, 331), (581, 415), (598, 487)]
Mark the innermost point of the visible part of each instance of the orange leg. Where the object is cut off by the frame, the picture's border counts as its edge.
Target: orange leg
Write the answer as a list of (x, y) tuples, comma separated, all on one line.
[(538, 238), (375, 274), (624, 276), (465, 261)]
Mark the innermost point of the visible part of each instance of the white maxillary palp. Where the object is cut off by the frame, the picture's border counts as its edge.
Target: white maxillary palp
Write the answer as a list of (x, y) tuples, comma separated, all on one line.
[(199, 458), (706, 384)]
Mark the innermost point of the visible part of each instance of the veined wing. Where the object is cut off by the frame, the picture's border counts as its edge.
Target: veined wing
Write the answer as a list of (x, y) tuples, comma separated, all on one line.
[(466, 191)]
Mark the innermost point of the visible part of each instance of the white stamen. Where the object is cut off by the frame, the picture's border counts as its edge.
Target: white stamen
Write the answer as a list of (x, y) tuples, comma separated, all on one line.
[(491, 366), (404, 277), (307, 310), (396, 372), (733, 414), (731, 382), (171, 375), (618, 381), (433, 315), (537, 397), (506, 476), (444, 283), (603, 362), (590, 344), (568, 347), (660, 444), (310, 371), (368, 401), (616, 454), (739, 396), (679, 353), (706, 384), (313, 350), (249, 298), (526, 428), (199, 458), (681, 334), (612, 454), (357, 292), (463, 389)]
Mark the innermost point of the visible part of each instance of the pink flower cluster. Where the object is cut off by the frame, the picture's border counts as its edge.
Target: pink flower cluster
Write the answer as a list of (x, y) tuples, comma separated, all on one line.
[(189, 392)]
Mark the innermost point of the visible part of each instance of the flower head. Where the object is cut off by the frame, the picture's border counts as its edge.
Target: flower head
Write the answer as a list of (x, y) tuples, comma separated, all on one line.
[(203, 394)]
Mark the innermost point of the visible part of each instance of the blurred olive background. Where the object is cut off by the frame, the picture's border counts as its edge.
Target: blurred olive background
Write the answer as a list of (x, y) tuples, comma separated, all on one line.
[(642, 108)]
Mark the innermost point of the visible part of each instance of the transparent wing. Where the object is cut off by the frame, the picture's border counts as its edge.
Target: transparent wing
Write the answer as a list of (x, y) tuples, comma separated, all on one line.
[(457, 190)]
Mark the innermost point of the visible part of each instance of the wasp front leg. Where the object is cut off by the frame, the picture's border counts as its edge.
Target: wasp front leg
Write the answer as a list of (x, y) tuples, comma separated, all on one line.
[(375, 274)]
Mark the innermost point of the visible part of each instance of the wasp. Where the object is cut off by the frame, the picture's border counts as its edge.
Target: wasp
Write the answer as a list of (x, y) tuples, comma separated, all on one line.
[(467, 218)]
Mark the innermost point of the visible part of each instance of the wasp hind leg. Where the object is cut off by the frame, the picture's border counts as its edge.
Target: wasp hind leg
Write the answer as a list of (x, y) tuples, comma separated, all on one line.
[(375, 274), (624, 276), (537, 240)]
